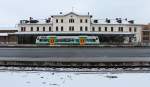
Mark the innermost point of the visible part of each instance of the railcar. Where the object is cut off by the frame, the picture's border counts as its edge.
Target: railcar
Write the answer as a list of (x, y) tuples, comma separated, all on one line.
[(67, 40)]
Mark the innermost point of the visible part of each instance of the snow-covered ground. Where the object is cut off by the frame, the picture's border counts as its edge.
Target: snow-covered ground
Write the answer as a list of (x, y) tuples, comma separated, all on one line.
[(72, 79)]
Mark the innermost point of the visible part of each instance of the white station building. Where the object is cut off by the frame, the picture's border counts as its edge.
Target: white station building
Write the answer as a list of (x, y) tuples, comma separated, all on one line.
[(71, 24)]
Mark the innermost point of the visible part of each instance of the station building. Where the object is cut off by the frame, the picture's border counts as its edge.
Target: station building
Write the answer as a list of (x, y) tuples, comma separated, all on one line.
[(110, 31), (7, 36), (146, 35)]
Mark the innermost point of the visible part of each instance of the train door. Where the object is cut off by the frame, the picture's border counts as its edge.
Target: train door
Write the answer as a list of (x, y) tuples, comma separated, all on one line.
[(82, 41), (52, 41)]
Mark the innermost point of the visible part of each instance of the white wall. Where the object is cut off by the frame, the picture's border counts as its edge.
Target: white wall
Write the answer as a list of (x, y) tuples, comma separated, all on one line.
[(77, 25)]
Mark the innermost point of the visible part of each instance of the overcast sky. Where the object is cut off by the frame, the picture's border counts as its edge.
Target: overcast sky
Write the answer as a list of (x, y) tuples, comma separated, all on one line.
[(11, 11)]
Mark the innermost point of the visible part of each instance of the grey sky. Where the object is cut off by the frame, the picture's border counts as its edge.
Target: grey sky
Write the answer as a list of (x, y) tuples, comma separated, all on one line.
[(11, 11)]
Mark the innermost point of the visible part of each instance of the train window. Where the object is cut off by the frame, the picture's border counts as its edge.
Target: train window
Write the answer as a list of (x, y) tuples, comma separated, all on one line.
[(94, 40), (60, 40), (87, 40), (40, 40), (77, 40), (45, 40)]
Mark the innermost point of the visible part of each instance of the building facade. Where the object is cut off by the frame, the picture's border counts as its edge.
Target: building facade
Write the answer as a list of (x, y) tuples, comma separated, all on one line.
[(146, 35), (109, 30), (7, 36)]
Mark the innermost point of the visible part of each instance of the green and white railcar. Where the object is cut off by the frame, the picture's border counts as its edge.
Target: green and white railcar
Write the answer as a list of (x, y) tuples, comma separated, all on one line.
[(67, 40)]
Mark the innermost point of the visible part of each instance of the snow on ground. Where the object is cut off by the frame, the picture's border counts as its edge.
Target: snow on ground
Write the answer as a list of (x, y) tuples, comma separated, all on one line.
[(72, 79)]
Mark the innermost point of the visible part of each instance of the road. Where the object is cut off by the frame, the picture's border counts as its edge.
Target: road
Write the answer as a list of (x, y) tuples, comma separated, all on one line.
[(74, 52)]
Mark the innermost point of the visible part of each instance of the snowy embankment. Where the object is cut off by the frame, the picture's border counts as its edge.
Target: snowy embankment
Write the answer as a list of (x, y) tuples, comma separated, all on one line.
[(72, 79)]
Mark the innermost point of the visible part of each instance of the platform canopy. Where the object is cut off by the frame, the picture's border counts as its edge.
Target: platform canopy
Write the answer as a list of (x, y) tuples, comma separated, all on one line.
[(71, 33), (3, 34)]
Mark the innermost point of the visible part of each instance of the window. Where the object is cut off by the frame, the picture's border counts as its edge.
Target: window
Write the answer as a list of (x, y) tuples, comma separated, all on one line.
[(135, 29), (62, 28), (105, 28), (81, 28), (86, 28), (56, 20), (71, 28), (56, 28), (120, 29), (23, 28), (112, 29), (93, 28), (145, 38), (146, 33), (43, 28), (37, 29), (99, 28), (50, 29), (86, 21), (31, 28), (62, 21), (130, 29), (71, 20), (80, 20)]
